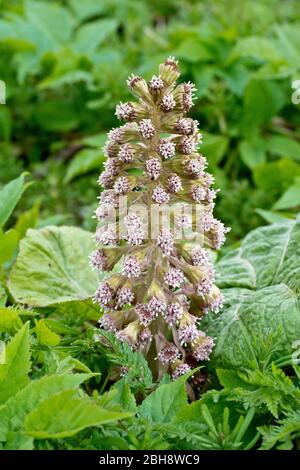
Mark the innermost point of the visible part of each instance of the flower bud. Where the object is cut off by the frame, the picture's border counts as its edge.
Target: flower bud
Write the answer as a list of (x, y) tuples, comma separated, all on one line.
[(169, 71)]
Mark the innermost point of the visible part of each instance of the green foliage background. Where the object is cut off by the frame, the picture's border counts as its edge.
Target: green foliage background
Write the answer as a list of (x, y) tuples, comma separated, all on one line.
[(65, 64)]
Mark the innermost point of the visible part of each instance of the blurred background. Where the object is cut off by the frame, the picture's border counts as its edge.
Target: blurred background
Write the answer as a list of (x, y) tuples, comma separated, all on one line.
[(65, 64)]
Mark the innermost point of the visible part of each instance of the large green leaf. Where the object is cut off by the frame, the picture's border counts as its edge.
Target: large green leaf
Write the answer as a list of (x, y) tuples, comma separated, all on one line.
[(63, 415), (13, 413), (9, 197), (261, 282), (52, 267), (14, 372)]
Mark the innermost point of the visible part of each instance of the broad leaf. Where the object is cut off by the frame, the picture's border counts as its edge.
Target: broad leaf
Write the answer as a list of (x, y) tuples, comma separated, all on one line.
[(260, 319), (63, 415), (13, 413), (52, 267)]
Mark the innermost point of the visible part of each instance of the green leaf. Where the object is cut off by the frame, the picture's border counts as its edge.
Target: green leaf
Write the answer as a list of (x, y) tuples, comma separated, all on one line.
[(273, 251), (87, 9), (56, 115), (8, 244), (252, 152), (124, 397), (52, 267), (192, 50), (45, 335), (214, 147), (270, 216), (283, 433), (262, 100), (276, 177), (290, 198), (14, 373), (257, 47), (64, 415), (260, 324), (284, 147), (10, 321), (235, 271), (53, 20), (13, 413), (86, 160), (91, 35), (166, 401), (27, 219), (97, 140), (9, 197), (258, 327)]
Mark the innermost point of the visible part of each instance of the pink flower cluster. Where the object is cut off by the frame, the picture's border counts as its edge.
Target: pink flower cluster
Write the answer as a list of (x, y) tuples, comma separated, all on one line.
[(159, 289)]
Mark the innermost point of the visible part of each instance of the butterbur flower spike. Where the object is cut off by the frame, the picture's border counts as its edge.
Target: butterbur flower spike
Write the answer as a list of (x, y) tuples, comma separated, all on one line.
[(160, 288)]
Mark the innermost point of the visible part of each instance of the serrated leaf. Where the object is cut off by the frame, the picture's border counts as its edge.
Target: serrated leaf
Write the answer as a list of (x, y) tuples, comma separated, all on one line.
[(165, 402), (52, 267), (14, 373), (64, 415), (13, 413)]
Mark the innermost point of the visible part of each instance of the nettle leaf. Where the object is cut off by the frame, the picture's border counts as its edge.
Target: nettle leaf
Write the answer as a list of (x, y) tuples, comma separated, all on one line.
[(14, 372), (13, 413), (52, 267), (166, 401), (64, 415), (261, 282), (9, 197)]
